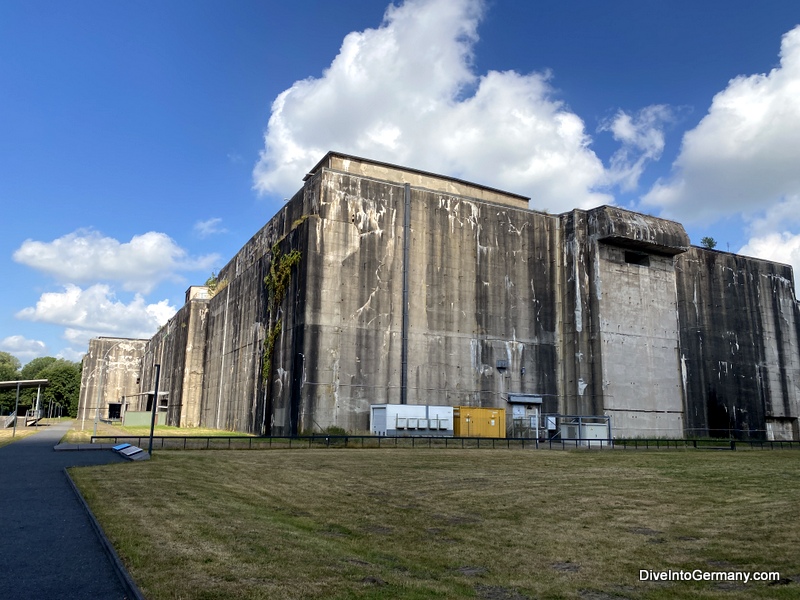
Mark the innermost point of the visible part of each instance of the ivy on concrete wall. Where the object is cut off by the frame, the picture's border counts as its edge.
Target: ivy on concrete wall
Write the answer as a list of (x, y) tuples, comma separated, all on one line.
[(215, 285), (277, 282), (280, 274), (269, 349)]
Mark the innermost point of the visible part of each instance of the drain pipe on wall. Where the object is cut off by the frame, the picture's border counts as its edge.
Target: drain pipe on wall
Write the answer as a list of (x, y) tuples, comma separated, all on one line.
[(404, 347)]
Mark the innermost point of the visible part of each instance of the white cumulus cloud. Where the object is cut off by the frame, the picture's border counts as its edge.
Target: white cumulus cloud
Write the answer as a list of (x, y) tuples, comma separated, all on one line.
[(23, 348), (642, 139), (95, 311), (88, 256), (744, 154), (407, 93), (72, 354), (780, 247), (772, 237), (209, 227), (781, 216)]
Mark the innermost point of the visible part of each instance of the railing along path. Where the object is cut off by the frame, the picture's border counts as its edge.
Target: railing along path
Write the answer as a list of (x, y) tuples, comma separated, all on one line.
[(239, 442)]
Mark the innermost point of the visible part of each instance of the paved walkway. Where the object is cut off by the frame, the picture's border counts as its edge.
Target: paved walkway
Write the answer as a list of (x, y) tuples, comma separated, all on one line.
[(48, 548)]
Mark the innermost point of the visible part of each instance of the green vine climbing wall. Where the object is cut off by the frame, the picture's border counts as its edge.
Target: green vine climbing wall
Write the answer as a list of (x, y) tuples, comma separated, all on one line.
[(277, 282), (269, 349)]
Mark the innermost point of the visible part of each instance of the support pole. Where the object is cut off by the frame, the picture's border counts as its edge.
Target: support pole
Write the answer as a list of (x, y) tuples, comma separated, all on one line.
[(16, 413), (96, 418), (38, 414), (404, 346), (155, 411), (102, 367)]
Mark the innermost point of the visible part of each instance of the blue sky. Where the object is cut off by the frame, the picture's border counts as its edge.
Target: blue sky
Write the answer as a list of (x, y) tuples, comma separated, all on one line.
[(142, 144)]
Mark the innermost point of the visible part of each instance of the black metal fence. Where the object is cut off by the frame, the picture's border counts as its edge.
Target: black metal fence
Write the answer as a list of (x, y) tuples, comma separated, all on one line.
[(369, 441)]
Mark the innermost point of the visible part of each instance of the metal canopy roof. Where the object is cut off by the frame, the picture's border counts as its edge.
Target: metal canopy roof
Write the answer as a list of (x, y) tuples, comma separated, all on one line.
[(24, 383)]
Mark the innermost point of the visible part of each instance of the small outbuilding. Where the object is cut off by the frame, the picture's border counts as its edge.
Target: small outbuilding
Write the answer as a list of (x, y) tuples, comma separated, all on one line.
[(473, 421), (410, 419)]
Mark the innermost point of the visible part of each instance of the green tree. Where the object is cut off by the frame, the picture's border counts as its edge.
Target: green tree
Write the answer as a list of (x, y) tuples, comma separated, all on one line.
[(63, 390), (32, 369), (64, 387), (709, 242), (64, 383), (9, 371), (9, 360)]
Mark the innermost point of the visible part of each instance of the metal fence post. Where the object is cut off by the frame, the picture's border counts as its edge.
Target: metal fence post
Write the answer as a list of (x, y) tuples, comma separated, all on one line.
[(155, 410)]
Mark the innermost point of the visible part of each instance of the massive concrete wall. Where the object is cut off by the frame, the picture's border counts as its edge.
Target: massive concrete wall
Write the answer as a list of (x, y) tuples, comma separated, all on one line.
[(638, 337), (179, 348), (600, 312), (483, 284), (619, 320), (482, 280), (740, 355), (353, 310), (234, 396), (111, 369), (374, 170), (339, 347)]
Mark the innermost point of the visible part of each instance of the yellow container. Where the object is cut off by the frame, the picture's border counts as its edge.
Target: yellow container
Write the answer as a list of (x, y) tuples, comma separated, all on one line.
[(472, 421)]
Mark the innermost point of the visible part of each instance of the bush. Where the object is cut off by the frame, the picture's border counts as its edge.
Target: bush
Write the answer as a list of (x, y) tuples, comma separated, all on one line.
[(334, 430)]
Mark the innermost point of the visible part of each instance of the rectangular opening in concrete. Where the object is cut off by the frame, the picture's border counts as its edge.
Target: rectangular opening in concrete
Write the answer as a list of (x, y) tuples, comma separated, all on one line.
[(114, 410), (637, 258)]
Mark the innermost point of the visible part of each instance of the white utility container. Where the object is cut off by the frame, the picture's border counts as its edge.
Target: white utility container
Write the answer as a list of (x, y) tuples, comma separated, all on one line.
[(584, 431), (410, 419)]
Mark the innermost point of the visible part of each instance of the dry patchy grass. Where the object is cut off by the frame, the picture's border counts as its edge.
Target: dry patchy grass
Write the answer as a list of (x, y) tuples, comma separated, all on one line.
[(76, 435), (7, 435), (411, 524)]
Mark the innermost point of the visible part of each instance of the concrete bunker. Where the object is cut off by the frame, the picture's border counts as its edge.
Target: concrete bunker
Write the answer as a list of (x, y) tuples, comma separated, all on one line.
[(417, 289)]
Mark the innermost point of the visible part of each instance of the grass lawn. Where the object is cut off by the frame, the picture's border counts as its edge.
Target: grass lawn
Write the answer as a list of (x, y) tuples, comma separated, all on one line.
[(6, 434), (418, 524), (78, 436)]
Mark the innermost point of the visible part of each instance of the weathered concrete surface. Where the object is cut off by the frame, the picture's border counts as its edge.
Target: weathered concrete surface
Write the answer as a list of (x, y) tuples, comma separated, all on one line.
[(614, 225), (111, 370), (619, 325), (371, 169), (481, 280), (234, 397), (740, 355), (638, 340), (179, 348)]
